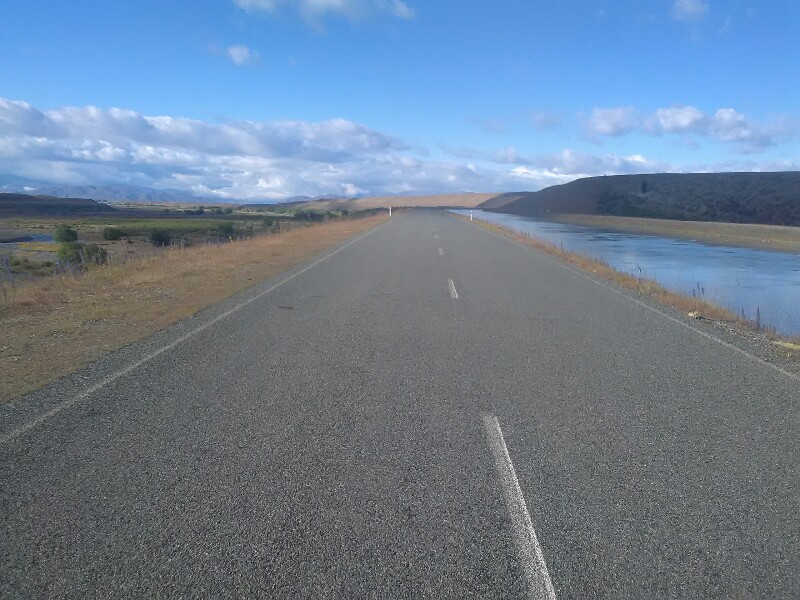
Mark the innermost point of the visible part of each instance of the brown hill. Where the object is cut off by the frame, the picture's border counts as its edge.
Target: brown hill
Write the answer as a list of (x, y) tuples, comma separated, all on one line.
[(466, 200), (768, 198)]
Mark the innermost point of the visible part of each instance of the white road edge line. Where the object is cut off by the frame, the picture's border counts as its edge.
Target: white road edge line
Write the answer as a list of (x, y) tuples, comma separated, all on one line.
[(602, 284), (540, 586), (122, 372), (441, 252), (453, 292)]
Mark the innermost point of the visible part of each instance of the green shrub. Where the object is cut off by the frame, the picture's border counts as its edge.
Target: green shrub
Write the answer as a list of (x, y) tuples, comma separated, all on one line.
[(17, 264), (94, 254), (225, 229), (160, 237), (70, 252), (65, 233), (228, 211), (112, 233)]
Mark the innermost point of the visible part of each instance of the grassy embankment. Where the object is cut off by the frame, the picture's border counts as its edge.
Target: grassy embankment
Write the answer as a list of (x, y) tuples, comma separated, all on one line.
[(764, 237), (133, 232), (52, 326), (696, 307)]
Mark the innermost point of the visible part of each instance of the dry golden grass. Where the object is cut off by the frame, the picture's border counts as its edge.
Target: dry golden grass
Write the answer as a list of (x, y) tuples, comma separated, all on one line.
[(39, 246), (53, 326), (698, 308), (767, 237)]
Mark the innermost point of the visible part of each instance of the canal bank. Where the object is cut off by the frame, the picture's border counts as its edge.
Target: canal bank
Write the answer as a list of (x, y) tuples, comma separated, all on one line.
[(757, 286), (776, 238)]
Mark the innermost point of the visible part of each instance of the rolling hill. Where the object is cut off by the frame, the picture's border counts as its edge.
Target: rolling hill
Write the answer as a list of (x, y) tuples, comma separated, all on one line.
[(465, 200), (766, 198), (25, 204)]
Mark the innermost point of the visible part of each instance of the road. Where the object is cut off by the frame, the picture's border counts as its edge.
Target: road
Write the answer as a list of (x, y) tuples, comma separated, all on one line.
[(429, 411)]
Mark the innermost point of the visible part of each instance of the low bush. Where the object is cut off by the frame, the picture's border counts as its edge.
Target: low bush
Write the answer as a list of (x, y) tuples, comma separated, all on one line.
[(94, 255), (160, 237), (17, 265), (70, 252), (65, 233), (83, 254), (225, 229), (113, 233)]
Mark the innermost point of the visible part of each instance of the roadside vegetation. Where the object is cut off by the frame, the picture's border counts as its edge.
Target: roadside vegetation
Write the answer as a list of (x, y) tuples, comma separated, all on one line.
[(120, 235), (50, 326)]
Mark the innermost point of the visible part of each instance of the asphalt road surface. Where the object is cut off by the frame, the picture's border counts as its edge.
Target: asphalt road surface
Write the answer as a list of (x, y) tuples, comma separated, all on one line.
[(429, 411)]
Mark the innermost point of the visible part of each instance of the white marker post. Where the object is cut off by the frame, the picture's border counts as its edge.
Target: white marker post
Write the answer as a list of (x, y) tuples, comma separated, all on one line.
[(390, 211), (470, 215)]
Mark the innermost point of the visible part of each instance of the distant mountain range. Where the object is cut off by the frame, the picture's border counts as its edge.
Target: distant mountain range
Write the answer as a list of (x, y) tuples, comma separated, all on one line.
[(129, 193), (767, 198), (114, 193)]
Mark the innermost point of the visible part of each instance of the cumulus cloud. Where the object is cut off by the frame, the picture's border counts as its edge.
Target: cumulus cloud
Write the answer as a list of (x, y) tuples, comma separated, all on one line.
[(689, 10), (612, 121), (724, 125), (679, 119), (233, 158), (241, 55), (246, 160), (568, 165), (271, 160), (316, 9), (536, 172)]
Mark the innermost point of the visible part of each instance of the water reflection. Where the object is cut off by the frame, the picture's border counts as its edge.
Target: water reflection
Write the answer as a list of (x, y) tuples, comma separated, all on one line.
[(743, 280)]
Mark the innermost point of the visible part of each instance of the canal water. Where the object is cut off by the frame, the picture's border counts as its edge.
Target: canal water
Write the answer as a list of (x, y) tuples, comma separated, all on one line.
[(745, 281)]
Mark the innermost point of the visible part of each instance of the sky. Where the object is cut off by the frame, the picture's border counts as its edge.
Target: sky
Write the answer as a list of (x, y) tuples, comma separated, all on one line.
[(269, 99)]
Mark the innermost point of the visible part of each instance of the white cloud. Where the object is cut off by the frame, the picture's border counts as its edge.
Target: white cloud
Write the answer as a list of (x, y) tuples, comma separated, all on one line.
[(612, 121), (679, 119), (233, 159), (241, 55), (689, 10), (316, 9), (568, 165), (399, 9), (725, 125), (562, 167), (261, 160)]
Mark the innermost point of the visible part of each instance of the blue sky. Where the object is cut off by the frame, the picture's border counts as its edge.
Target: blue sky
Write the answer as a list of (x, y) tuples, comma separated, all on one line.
[(266, 99)]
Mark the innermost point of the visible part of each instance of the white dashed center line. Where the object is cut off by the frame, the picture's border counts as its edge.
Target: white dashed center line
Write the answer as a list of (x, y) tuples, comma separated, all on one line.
[(453, 292)]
